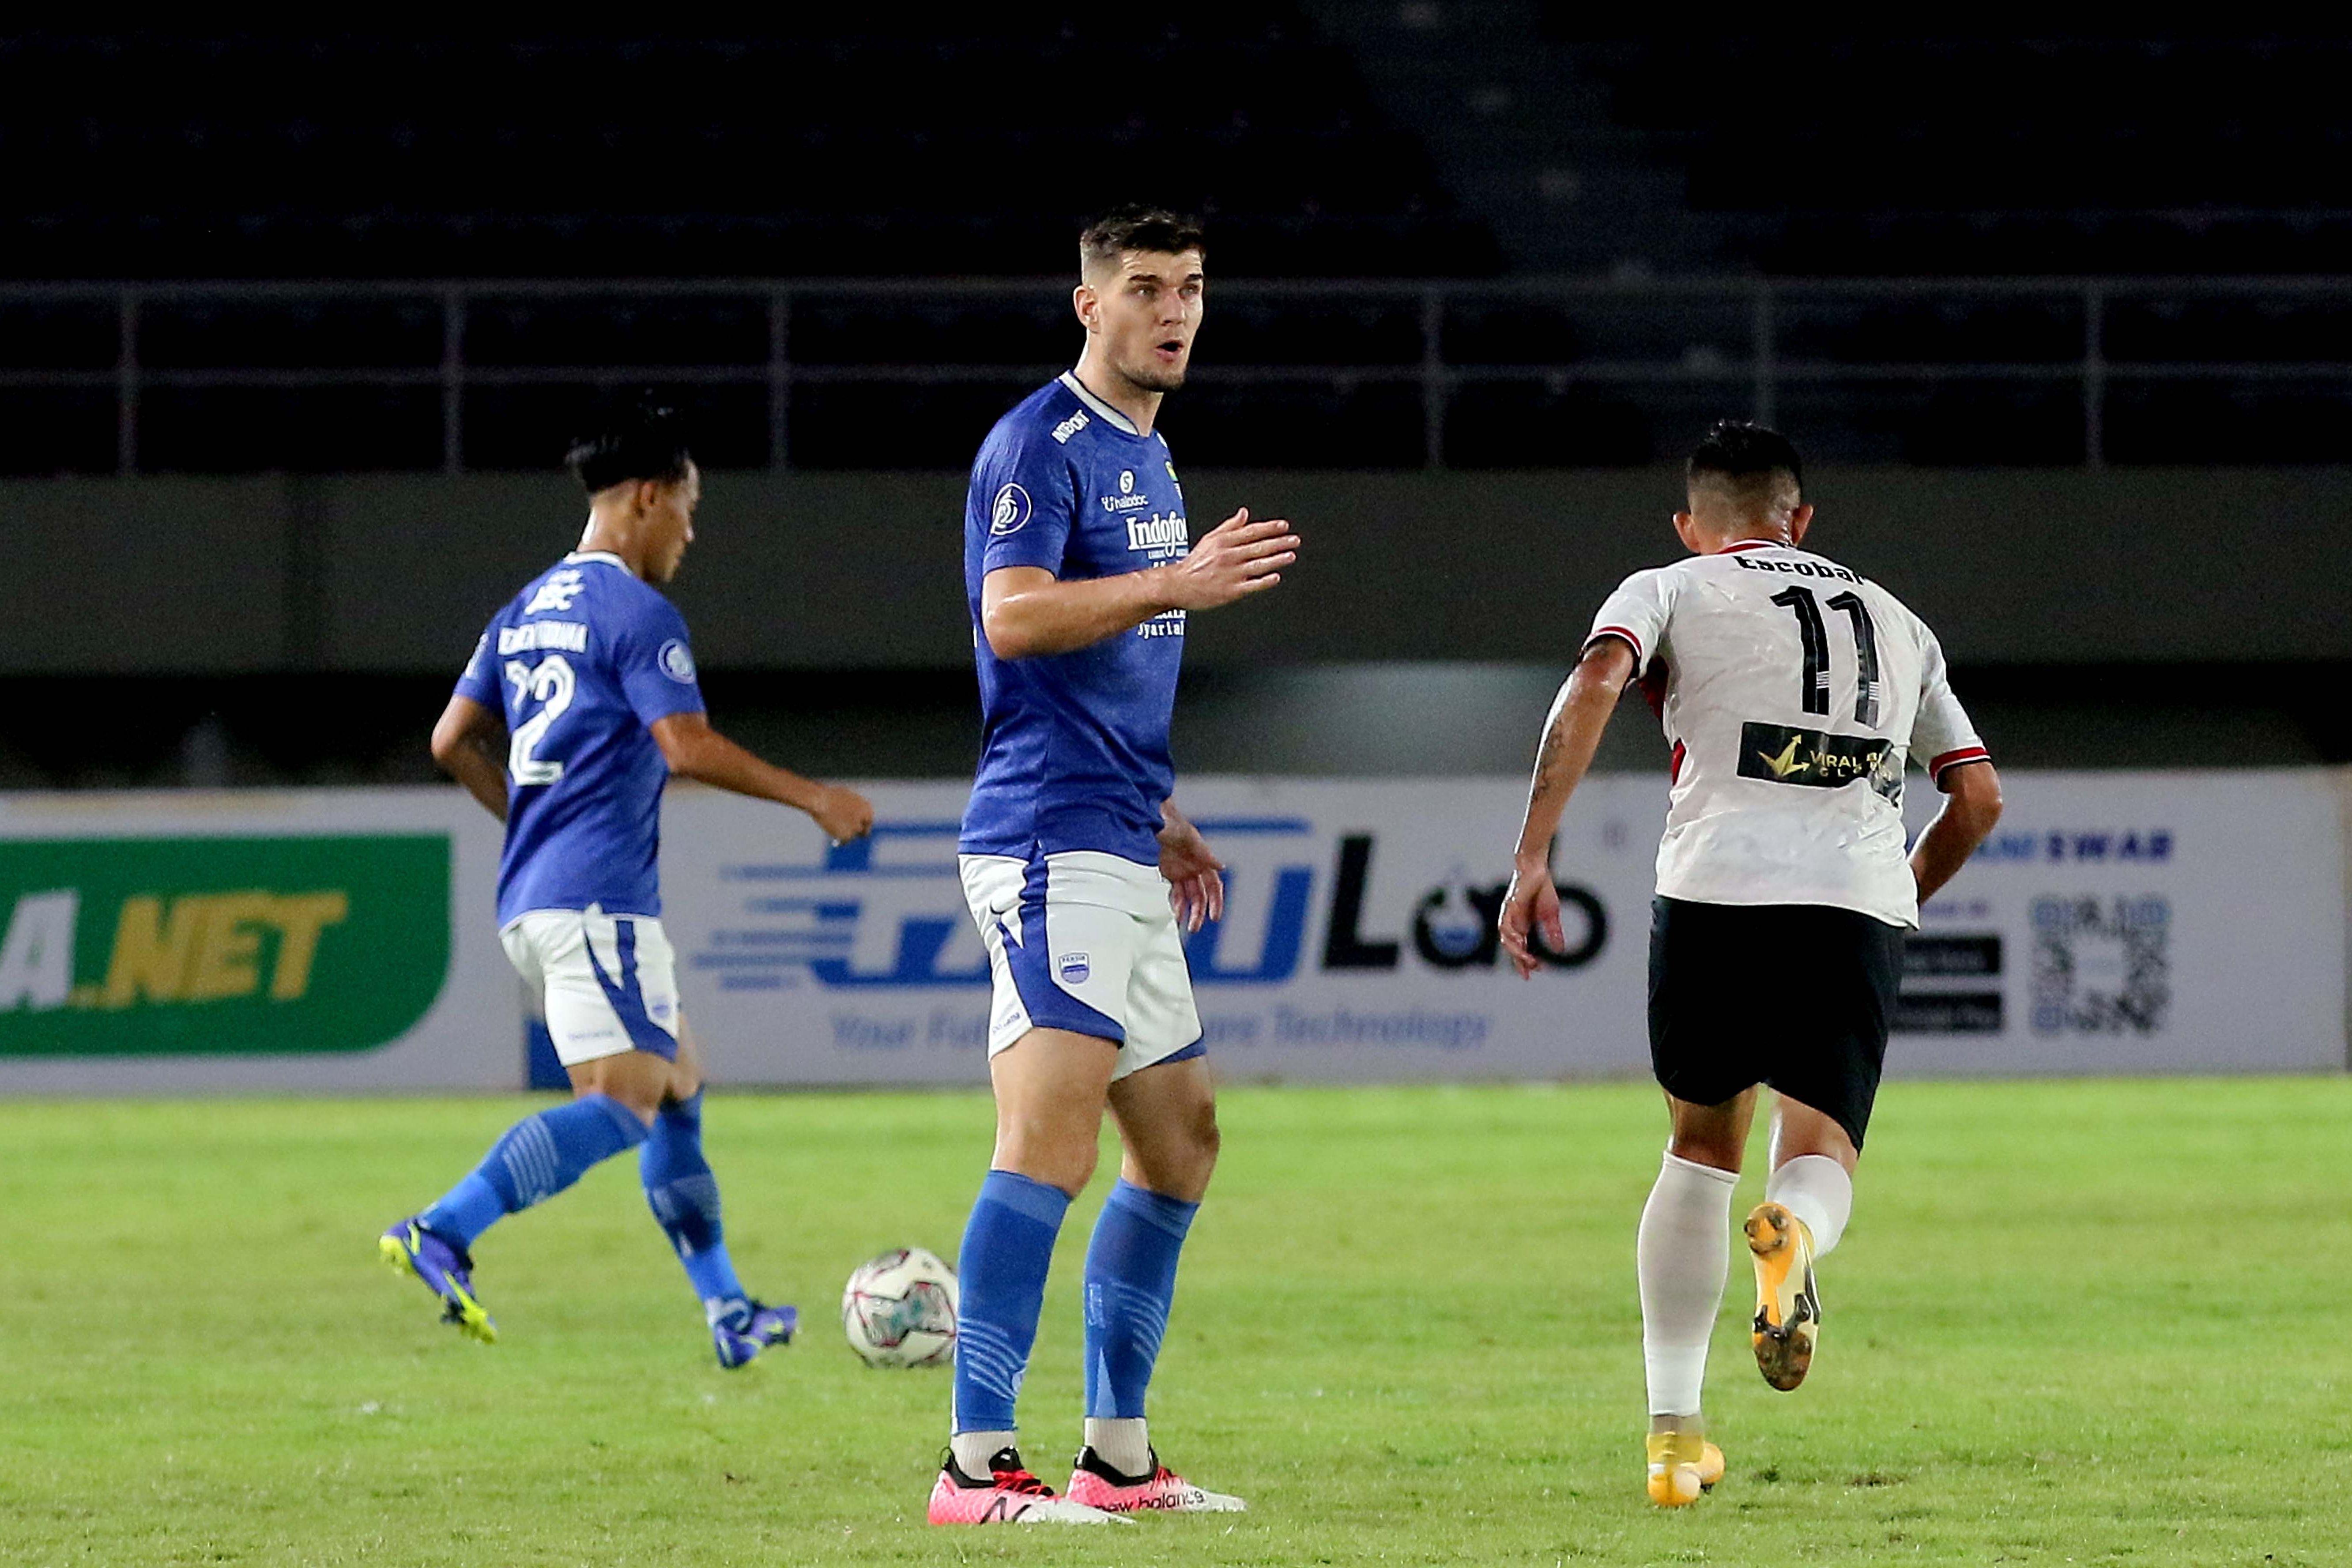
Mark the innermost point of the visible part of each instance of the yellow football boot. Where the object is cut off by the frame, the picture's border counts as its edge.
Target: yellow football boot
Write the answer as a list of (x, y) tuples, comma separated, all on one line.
[(1787, 1302), (1683, 1466)]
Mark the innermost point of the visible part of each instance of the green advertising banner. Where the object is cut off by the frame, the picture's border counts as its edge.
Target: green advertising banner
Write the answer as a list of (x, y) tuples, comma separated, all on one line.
[(198, 946)]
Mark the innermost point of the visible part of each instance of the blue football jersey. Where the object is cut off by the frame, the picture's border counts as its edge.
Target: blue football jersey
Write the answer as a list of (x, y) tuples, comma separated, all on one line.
[(1074, 748), (583, 662)]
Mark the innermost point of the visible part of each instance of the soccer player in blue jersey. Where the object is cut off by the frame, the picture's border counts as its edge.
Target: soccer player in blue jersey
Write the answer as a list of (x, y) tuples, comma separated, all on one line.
[(589, 671), (1078, 870)]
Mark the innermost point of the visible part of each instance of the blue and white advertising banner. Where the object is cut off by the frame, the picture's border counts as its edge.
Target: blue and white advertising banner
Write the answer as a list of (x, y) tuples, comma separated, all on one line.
[(2115, 922)]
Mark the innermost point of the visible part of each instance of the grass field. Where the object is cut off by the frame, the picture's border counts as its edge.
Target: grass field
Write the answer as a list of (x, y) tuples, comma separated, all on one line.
[(2091, 1322)]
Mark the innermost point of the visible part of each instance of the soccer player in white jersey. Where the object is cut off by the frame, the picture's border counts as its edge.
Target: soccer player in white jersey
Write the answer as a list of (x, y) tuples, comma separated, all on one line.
[(1793, 691), (1078, 869), (589, 673)]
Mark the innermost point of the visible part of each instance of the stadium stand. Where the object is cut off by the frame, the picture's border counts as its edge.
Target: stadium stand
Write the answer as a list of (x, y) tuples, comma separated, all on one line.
[(1424, 142), (809, 144)]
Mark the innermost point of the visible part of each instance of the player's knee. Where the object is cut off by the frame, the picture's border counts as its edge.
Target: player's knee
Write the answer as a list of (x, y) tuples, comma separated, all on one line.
[(1204, 1139), (1045, 1154)]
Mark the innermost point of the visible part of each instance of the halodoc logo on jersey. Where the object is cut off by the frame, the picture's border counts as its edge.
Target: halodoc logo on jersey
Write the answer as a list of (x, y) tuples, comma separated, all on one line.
[(190, 946), (1127, 500)]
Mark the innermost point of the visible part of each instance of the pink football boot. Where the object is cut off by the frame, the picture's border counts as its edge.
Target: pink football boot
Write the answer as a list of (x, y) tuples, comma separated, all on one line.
[(1096, 1485), (1010, 1495)]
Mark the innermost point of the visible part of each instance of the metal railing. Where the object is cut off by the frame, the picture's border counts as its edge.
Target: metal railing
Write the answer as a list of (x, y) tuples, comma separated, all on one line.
[(1751, 341)]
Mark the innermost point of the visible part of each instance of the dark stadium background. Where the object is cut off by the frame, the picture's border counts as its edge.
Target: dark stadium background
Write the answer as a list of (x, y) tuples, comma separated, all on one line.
[(294, 325)]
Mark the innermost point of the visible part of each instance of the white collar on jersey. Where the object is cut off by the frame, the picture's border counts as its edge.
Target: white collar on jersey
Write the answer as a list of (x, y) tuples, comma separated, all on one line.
[(1737, 545), (1102, 410), (606, 556)]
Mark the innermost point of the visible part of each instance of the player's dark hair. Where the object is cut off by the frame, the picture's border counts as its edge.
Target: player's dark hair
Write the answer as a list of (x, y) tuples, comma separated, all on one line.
[(1744, 453), (1136, 228), (632, 438)]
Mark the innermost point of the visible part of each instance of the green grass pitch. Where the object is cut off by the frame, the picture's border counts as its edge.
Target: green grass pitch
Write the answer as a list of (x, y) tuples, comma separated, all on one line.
[(2087, 1322)]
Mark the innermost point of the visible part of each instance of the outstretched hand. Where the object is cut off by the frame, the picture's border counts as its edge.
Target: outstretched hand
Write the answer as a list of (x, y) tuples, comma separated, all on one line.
[(1233, 560), (1532, 903), (1196, 883)]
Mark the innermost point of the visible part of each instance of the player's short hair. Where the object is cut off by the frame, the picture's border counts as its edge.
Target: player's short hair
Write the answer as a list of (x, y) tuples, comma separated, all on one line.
[(631, 439), (1740, 455), (1138, 227)]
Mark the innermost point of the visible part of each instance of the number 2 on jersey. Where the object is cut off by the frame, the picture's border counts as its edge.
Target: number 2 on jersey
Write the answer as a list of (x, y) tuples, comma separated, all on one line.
[(1814, 635), (549, 684)]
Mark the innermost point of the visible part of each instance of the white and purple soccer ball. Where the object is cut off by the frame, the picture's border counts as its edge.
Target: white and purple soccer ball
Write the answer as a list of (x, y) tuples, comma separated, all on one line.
[(899, 1310)]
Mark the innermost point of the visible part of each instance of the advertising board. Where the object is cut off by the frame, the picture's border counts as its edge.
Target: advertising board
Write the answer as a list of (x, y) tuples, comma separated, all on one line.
[(313, 940), (344, 940), (2117, 922)]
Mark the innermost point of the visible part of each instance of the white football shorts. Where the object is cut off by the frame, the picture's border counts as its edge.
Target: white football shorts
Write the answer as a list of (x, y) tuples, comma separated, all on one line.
[(1086, 941), (609, 982)]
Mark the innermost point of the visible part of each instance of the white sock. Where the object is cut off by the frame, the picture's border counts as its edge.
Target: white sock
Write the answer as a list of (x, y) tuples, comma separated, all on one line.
[(1121, 1443), (973, 1450), (1682, 1258), (1816, 1189)]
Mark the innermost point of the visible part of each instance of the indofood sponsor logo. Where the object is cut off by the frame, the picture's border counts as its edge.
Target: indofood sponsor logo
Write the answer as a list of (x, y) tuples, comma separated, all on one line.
[(220, 946)]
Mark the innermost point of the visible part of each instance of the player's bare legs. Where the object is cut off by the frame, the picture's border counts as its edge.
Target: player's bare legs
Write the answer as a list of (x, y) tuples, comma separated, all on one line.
[(1167, 1117), (1051, 1087), (642, 1081)]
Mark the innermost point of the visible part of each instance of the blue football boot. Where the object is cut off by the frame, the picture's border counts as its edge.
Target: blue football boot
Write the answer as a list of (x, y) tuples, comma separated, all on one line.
[(741, 1330), (409, 1248)]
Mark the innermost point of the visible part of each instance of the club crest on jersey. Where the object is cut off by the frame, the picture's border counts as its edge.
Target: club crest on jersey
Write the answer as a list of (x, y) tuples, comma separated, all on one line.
[(1074, 967), (1010, 510), (677, 662)]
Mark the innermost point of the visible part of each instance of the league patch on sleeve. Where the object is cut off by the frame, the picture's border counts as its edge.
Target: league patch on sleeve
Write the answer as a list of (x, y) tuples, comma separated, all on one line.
[(677, 661), (1010, 512)]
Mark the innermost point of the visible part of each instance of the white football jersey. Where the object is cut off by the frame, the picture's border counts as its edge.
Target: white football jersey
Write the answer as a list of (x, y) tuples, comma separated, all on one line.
[(1792, 691)]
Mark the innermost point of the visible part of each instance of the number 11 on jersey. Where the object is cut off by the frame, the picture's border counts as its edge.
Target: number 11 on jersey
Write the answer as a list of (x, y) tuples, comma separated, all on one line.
[(1810, 631)]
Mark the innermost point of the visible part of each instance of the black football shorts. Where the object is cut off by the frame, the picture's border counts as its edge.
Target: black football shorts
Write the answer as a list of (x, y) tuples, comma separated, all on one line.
[(1795, 996)]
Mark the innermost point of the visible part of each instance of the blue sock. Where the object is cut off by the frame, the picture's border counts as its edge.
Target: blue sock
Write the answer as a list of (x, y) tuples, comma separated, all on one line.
[(532, 1161), (1007, 1246), (1130, 1280), (684, 1196)]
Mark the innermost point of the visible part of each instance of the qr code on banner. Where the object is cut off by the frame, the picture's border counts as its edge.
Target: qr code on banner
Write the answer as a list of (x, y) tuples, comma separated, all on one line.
[(2101, 966)]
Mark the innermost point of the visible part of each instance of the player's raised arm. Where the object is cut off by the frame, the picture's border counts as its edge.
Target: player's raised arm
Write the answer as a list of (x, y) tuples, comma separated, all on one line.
[(465, 743), (696, 751), (1026, 611), (1572, 734)]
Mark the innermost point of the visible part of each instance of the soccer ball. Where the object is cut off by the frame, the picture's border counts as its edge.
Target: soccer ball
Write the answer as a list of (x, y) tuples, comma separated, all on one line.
[(899, 1310)]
